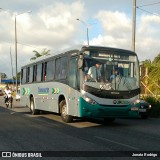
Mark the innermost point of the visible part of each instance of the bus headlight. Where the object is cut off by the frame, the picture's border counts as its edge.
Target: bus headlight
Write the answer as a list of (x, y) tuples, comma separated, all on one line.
[(89, 100), (136, 101)]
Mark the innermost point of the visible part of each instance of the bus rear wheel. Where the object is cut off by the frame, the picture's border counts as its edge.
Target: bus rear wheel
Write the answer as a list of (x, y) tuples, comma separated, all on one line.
[(63, 108), (32, 107)]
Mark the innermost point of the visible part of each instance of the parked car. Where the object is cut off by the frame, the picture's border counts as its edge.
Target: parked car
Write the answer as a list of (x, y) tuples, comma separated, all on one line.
[(18, 95)]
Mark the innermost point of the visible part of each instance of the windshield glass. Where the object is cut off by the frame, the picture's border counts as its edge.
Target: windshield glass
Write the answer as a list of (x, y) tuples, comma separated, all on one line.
[(117, 72)]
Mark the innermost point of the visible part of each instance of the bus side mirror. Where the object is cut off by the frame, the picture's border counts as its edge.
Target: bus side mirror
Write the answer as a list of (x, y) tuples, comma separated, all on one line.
[(80, 62)]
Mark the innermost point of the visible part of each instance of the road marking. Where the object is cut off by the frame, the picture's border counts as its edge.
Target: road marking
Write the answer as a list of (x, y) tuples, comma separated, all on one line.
[(122, 144)]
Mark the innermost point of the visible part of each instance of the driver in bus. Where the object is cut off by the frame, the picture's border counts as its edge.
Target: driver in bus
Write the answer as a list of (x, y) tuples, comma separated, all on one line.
[(94, 72)]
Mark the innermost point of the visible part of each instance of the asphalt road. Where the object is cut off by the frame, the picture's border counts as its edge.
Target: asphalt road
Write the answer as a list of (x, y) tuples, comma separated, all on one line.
[(20, 131)]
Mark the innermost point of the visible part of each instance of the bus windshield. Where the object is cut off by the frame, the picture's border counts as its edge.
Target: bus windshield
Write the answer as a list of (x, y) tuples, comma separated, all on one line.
[(111, 71)]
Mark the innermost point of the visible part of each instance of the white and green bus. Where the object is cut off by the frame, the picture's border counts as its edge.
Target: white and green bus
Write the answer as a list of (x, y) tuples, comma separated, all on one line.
[(57, 83)]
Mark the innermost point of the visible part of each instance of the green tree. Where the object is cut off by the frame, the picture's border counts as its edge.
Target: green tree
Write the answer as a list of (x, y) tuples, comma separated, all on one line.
[(153, 79), (156, 60), (155, 74), (3, 75), (44, 52)]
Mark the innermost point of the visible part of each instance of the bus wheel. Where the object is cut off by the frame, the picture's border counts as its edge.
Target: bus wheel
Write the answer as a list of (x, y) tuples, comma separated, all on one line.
[(109, 120), (32, 107), (66, 118)]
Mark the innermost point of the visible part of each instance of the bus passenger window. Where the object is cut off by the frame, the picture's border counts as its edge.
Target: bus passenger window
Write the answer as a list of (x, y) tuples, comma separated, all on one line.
[(42, 72), (61, 68), (45, 70), (39, 72), (21, 75), (49, 70), (34, 73), (31, 74), (27, 74), (24, 76), (58, 71)]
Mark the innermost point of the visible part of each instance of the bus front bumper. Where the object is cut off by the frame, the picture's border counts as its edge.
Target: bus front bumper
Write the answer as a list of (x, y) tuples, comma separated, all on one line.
[(103, 111)]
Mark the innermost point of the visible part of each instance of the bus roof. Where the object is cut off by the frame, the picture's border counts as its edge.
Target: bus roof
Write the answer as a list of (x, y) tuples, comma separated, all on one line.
[(79, 48), (118, 50)]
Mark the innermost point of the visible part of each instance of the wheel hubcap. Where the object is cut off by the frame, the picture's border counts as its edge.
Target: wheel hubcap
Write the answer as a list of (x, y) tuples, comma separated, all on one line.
[(32, 105), (64, 111)]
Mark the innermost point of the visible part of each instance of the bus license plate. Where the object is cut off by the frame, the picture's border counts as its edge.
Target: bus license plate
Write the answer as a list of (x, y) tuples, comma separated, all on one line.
[(142, 110)]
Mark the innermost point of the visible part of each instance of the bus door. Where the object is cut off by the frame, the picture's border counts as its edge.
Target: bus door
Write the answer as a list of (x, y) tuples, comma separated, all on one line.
[(73, 87)]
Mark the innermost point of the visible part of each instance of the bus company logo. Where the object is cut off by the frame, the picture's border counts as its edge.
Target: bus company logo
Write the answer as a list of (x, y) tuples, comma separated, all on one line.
[(43, 91)]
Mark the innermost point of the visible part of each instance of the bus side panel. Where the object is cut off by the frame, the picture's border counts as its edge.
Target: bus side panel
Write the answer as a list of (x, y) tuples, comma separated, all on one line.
[(46, 96), (24, 96), (24, 101), (45, 99)]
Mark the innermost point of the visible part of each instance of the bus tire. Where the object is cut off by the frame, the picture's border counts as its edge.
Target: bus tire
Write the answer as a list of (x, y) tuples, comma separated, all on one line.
[(32, 107), (66, 118)]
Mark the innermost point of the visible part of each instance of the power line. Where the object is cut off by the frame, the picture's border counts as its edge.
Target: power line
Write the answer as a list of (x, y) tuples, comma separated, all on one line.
[(149, 4), (30, 45), (25, 45), (148, 11)]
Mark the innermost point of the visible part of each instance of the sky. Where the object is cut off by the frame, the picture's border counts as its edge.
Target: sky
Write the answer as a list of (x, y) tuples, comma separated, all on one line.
[(52, 24)]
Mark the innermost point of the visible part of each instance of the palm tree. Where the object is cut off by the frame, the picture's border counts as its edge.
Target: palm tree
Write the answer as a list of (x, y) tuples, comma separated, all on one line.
[(44, 52)]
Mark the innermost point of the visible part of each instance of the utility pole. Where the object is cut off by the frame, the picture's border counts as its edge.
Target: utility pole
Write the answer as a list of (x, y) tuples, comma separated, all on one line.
[(16, 47), (11, 66), (16, 53), (134, 26), (86, 25)]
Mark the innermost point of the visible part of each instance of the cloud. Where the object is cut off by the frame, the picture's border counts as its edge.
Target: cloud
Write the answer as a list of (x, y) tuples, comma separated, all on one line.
[(117, 32), (113, 22), (53, 27), (56, 24), (147, 37)]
